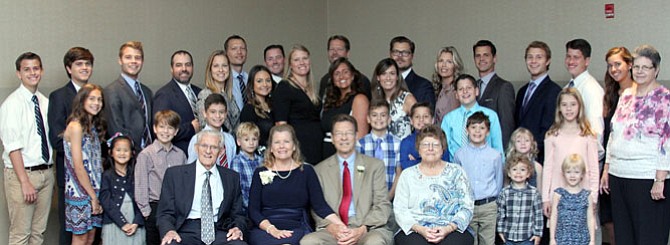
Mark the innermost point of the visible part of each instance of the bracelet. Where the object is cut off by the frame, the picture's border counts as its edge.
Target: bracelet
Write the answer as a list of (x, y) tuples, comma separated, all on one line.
[(659, 180), (267, 229)]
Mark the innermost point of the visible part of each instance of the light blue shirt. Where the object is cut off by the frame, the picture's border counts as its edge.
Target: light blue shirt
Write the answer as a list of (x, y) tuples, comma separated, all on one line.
[(228, 141), (484, 167), (237, 91), (350, 165), (454, 123), (216, 191)]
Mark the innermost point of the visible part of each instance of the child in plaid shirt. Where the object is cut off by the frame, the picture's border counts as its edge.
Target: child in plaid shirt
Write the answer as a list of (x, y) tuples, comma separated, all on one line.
[(519, 205), (248, 159), (380, 144)]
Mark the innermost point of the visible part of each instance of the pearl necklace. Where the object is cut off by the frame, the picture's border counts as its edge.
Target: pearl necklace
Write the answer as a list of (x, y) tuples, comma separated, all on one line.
[(289, 172)]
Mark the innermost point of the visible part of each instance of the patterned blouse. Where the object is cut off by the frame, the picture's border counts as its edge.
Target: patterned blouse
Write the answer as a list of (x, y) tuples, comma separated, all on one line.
[(640, 130), (433, 201), (400, 125)]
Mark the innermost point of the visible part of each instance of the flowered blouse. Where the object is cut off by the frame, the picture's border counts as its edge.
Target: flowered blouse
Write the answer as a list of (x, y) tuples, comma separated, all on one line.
[(640, 130)]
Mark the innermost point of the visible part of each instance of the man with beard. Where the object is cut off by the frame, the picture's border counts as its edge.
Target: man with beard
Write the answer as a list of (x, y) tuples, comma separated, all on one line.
[(180, 96)]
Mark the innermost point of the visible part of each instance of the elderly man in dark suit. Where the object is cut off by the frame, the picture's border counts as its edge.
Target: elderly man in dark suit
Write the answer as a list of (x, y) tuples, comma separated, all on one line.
[(78, 63), (201, 202), (496, 93), (536, 101), (127, 101), (402, 51), (180, 96), (355, 185)]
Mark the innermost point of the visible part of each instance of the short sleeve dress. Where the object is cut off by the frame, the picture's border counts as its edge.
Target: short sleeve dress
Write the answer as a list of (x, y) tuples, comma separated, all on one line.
[(78, 218)]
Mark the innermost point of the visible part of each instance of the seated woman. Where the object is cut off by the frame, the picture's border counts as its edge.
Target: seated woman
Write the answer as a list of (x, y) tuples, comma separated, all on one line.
[(282, 192), (258, 109), (433, 201), (345, 95)]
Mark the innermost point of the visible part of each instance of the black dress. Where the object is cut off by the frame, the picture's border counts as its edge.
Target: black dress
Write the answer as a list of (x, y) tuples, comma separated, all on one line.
[(327, 123), (292, 105), (248, 114)]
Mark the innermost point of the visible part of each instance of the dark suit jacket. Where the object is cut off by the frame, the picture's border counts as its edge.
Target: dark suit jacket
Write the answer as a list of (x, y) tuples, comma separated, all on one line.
[(171, 97), (421, 88), (540, 112), (499, 96), (177, 195), (124, 113), (60, 107)]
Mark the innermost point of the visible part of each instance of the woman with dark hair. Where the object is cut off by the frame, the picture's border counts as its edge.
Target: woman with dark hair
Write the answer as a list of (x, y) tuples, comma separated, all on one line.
[(618, 78), (447, 67), (258, 109), (295, 101), (638, 156), (283, 191), (217, 80), (388, 84), (344, 95)]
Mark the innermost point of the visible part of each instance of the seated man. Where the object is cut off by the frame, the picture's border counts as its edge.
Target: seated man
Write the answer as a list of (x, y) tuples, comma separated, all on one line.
[(201, 203), (355, 185)]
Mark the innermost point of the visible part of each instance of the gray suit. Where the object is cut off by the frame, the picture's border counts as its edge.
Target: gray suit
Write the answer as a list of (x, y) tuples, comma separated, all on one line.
[(123, 110), (499, 97), (370, 197)]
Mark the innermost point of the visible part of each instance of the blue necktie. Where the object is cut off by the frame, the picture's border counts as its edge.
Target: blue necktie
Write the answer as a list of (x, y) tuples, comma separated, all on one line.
[(379, 154), (40, 130)]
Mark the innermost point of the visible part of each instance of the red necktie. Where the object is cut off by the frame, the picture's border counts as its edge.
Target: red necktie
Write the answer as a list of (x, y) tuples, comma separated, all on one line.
[(346, 194), (223, 161)]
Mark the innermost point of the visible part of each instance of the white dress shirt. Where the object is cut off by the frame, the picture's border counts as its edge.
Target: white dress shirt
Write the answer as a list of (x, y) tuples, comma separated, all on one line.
[(216, 186)]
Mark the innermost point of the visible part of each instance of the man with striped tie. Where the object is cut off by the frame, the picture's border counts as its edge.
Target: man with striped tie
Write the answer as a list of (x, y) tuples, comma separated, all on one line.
[(180, 96), (29, 176), (236, 50)]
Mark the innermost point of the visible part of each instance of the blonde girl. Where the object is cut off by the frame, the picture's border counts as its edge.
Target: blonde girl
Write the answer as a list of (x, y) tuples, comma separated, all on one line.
[(570, 133), (522, 143)]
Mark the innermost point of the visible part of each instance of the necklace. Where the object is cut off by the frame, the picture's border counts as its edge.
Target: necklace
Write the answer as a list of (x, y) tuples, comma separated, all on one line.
[(289, 172)]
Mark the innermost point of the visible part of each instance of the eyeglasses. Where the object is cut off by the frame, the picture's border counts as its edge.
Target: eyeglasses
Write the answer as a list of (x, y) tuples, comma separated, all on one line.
[(341, 134), (427, 145), (643, 68), (399, 53), (209, 147)]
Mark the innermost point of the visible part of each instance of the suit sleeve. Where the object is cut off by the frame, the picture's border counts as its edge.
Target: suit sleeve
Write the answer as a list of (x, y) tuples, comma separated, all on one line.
[(166, 216), (506, 111), (381, 207), (162, 102), (114, 113), (426, 93), (56, 118), (237, 215)]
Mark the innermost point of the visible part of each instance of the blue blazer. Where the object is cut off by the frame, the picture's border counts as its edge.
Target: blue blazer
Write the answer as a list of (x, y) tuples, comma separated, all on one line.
[(539, 113), (171, 97), (177, 195), (60, 107), (421, 88)]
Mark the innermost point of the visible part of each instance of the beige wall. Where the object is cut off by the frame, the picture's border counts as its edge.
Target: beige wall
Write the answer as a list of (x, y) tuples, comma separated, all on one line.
[(49, 28)]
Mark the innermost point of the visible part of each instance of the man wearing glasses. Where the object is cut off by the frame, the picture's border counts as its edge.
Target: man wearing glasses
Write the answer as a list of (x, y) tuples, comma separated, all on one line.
[(402, 51)]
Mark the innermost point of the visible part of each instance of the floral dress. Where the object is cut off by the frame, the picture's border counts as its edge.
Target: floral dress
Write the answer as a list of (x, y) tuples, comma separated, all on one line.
[(78, 218), (400, 125)]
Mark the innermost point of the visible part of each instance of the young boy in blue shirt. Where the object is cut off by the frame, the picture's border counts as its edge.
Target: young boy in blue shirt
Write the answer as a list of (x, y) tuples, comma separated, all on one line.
[(483, 166), (248, 159)]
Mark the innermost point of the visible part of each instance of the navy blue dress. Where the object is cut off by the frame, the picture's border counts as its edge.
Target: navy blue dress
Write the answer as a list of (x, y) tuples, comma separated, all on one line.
[(285, 203), (572, 228)]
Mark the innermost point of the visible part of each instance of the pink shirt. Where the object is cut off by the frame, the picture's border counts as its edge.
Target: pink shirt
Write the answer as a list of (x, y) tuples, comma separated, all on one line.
[(556, 149)]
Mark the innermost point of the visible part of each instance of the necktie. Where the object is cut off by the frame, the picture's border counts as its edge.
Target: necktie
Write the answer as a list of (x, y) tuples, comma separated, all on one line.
[(223, 161), (206, 213), (40, 130), (346, 194), (571, 83), (479, 85), (191, 98), (529, 93), (146, 135), (243, 88), (464, 133), (379, 154)]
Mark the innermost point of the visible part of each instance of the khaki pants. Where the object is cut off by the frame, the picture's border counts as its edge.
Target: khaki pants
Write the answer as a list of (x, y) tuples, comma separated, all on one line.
[(378, 236), (28, 222), (484, 223)]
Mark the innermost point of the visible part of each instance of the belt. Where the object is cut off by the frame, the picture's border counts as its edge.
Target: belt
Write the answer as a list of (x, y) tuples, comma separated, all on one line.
[(484, 201), (40, 167)]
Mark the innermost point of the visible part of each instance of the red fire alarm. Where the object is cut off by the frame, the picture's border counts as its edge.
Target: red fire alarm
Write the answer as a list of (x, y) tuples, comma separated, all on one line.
[(609, 11)]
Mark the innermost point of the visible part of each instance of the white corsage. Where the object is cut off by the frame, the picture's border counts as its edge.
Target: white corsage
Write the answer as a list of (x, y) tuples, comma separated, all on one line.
[(267, 176), (360, 169)]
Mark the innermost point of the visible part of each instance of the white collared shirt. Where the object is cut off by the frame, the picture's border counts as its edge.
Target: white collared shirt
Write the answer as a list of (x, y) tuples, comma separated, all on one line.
[(406, 72), (350, 165), (76, 87), (216, 190), (592, 94), (183, 89), (18, 127)]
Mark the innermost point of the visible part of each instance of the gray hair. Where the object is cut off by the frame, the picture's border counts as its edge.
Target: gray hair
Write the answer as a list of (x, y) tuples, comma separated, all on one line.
[(649, 52), (209, 132)]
